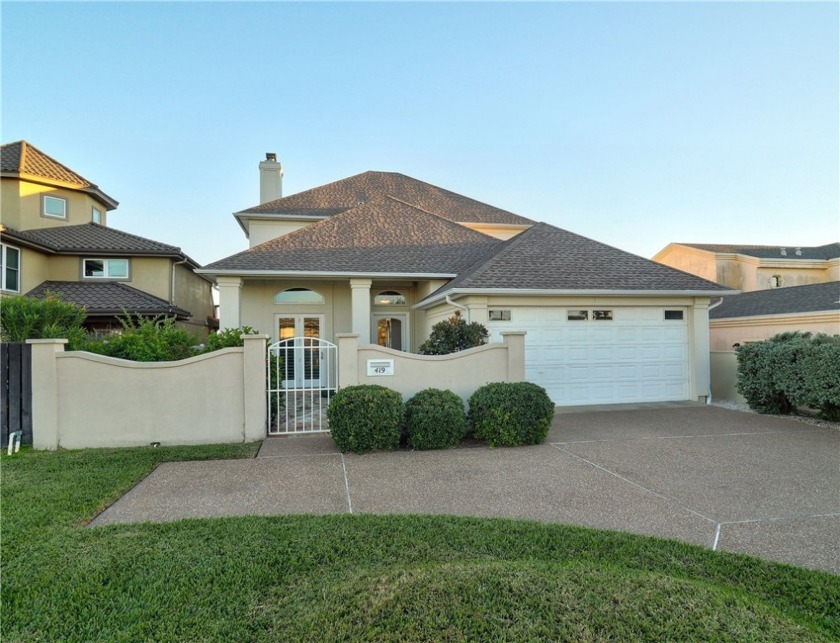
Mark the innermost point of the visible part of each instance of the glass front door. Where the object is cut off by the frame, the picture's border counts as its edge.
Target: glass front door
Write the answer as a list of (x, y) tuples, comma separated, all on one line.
[(301, 358), (389, 331)]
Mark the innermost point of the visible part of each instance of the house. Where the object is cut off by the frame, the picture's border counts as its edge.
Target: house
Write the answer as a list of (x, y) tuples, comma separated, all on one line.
[(748, 268), (56, 239), (386, 256), (754, 316)]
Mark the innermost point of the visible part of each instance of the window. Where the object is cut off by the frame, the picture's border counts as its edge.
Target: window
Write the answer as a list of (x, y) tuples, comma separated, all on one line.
[(389, 298), (10, 268), (775, 281), (577, 315), (106, 268), (583, 315), (675, 315), (54, 207), (602, 315), (96, 216), (498, 315), (298, 296)]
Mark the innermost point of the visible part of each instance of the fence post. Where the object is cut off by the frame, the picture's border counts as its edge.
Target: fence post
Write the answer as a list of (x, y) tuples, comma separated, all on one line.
[(348, 359), (45, 392), (515, 341), (254, 387)]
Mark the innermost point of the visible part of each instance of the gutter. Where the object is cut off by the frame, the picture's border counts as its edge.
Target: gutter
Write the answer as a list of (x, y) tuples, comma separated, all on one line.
[(464, 308)]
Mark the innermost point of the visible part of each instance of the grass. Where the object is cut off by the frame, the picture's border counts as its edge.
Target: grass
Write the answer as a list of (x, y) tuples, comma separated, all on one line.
[(377, 578)]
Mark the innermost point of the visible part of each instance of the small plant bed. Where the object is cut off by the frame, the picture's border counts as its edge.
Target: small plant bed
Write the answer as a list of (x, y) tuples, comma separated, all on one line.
[(364, 578)]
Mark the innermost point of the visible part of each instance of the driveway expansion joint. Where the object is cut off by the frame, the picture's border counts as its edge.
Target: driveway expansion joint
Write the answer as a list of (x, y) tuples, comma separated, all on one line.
[(685, 437)]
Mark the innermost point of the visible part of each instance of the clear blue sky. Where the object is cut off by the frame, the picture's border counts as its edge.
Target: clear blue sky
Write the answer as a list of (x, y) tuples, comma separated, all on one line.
[(636, 124)]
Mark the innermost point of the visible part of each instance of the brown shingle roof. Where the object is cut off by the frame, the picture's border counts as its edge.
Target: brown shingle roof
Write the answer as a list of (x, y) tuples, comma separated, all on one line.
[(340, 196), (22, 159), (548, 258), (92, 237), (381, 236), (108, 298), (780, 301)]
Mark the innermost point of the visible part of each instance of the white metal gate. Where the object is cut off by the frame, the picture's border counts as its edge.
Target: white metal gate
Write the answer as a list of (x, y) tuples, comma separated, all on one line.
[(302, 378)]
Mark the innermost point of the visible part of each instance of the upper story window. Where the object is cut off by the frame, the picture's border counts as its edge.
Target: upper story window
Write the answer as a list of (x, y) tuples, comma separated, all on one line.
[(96, 216), (776, 281), (298, 296), (53, 206), (105, 269), (389, 298), (9, 268)]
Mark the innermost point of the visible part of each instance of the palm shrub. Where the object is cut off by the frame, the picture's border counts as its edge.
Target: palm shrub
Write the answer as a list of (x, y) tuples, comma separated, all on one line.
[(453, 335), (365, 418), (435, 419), (511, 413), (23, 318)]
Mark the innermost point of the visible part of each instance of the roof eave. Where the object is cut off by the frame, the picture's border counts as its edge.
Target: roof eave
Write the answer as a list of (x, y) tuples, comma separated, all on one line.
[(109, 202), (283, 274), (560, 292)]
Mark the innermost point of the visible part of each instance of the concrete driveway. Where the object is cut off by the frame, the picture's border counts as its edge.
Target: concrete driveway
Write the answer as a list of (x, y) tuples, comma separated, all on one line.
[(722, 479)]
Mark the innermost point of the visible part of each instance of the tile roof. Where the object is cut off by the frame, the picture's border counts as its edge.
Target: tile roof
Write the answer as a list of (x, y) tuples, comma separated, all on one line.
[(811, 253), (780, 301), (23, 158), (343, 195), (381, 236), (548, 258), (92, 237), (108, 298)]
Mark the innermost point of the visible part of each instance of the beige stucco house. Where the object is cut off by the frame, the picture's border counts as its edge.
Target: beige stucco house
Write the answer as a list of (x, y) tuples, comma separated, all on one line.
[(386, 256), (748, 268), (56, 238)]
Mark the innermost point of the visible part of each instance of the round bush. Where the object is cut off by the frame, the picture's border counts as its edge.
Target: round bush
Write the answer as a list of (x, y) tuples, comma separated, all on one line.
[(435, 419), (365, 418), (511, 413)]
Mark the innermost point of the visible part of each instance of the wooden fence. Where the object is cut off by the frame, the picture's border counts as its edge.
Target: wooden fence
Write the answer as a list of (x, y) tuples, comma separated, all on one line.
[(16, 393)]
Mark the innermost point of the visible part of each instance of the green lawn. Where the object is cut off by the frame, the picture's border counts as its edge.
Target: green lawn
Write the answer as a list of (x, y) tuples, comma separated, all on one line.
[(409, 578)]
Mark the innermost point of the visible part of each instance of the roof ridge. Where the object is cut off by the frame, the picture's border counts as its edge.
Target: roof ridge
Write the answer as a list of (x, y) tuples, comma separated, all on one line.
[(429, 212)]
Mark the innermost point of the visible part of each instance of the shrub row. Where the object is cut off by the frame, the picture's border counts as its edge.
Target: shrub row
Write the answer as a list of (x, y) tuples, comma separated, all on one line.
[(369, 417), (790, 371)]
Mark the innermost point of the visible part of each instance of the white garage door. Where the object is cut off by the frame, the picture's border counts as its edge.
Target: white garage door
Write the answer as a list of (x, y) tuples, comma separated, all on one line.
[(603, 355)]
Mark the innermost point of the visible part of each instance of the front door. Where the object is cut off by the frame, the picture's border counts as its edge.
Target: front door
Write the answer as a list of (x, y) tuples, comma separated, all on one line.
[(302, 367), (389, 331)]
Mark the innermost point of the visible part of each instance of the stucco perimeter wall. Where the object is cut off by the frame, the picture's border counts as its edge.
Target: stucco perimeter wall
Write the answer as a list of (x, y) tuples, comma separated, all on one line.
[(83, 400), (724, 367), (461, 372), (725, 333)]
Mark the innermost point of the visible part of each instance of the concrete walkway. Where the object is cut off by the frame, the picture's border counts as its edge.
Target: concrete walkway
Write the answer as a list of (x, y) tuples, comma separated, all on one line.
[(722, 479)]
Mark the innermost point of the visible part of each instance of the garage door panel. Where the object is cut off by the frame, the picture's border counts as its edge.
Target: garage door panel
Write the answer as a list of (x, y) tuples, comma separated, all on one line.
[(637, 356)]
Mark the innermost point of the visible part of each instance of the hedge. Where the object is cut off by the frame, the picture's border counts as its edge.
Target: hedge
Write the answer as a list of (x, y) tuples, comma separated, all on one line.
[(365, 418), (511, 413), (435, 419), (789, 371)]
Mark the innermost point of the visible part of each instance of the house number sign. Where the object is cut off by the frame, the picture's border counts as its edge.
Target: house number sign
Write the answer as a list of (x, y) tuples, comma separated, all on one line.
[(380, 367)]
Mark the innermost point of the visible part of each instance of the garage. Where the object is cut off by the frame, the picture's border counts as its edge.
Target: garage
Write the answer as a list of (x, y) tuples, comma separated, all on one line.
[(602, 354)]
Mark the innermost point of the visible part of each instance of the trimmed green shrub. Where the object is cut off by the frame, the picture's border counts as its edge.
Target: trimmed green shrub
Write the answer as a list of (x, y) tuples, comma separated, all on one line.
[(23, 318), (453, 335), (146, 339), (365, 418), (791, 370), (435, 419), (227, 338), (511, 413)]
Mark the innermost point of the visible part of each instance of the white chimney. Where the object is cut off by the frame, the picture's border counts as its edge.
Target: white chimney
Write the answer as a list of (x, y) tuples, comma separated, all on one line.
[(271, 178)]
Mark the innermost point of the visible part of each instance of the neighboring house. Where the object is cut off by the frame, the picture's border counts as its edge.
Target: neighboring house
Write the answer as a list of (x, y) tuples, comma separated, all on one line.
[(749, 268), (754, 316), (386, 256), (55, 239)]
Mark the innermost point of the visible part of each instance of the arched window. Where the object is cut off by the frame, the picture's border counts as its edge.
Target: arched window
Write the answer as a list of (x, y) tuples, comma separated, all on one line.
[(389, 298), (298, 296)]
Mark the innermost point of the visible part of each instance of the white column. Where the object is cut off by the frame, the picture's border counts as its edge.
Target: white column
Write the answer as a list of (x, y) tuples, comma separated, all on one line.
[(230, 289), (360, 302), (699, 356)]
